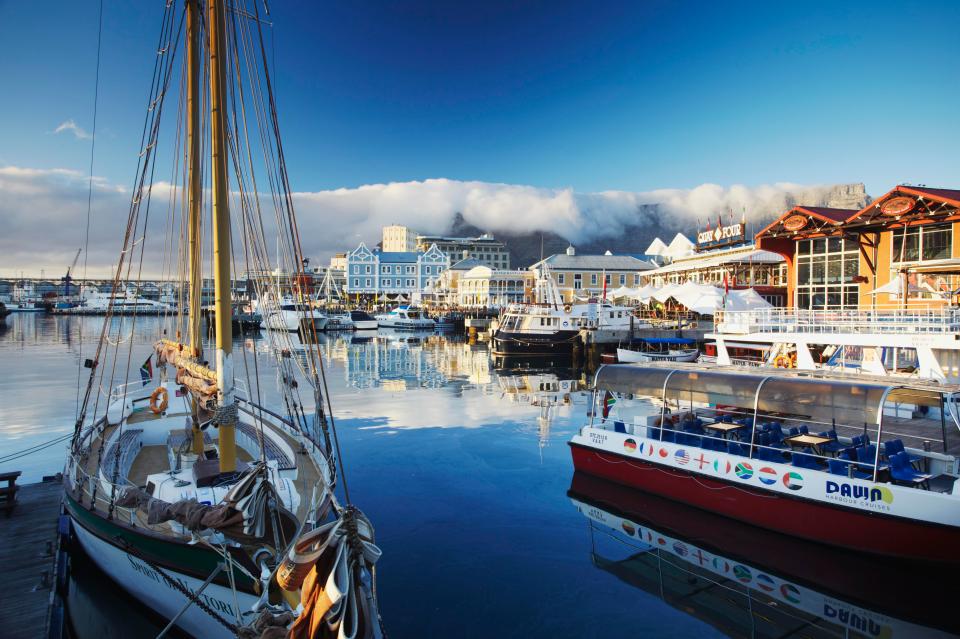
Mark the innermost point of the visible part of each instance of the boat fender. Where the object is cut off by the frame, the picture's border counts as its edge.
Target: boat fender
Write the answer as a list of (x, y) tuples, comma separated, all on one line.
[(567, 308), (161, 394)]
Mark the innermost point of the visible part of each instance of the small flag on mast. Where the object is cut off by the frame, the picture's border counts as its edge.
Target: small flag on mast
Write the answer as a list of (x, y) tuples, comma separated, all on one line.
[(608, 401), (146, 370)]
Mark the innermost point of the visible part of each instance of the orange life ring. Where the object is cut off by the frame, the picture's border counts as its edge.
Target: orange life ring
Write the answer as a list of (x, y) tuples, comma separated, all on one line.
[(567, 308), (160, 392)]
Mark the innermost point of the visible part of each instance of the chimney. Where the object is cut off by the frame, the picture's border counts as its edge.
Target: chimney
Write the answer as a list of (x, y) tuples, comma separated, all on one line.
[(466, 253), (571, 250)]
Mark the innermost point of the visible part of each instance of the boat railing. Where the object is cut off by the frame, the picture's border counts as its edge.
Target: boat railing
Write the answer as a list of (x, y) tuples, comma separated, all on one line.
[(884, 321)]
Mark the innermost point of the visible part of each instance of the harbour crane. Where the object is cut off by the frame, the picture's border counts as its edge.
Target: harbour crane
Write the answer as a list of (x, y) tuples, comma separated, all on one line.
[(66, 279)]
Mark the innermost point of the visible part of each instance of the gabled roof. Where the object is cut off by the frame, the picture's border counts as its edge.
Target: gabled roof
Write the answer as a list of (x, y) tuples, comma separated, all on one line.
[(396, 256), (949, 197), (826, 215), (657, 247), (680, 246), (466, 265), (562, 261)]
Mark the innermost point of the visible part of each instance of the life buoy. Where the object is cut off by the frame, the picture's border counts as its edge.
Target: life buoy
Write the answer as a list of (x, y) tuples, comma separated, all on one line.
[(784, 361), (160, 392), (567, 308)]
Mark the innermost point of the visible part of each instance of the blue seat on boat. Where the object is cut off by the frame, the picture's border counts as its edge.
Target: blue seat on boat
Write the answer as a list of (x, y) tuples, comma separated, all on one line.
[(804, 430), (903, 472), (770, 455), (619, 427), (842, 467), (894, 446), (793, 431), (866, 457), (669, 436), (833, 446), (734, 448), (803, 460), (714, 443)]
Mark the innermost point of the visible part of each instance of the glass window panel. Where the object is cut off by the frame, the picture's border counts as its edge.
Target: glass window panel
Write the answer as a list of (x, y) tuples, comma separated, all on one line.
[(833, 298), (817, 271), (803, 298), (851, 297), (803, 247), (803, 272), (834, 244), (819, 245), (834, 270), (937, 244), (818, 298), (851, 267)]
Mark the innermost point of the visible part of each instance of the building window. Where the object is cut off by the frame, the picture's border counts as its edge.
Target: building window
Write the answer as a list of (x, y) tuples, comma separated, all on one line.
[(356, 282), (636, 279), (409, 282), (593, 279), (623, 279), (922, 243), (826, 268), (385, 270), (386, 282), (367, 270), (577, 281), (409, 269), (607, 279), (561, 278), (368, 282)]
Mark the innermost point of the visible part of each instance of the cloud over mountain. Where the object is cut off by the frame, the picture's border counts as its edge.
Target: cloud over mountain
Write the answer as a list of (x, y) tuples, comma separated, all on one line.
[(45, 212)]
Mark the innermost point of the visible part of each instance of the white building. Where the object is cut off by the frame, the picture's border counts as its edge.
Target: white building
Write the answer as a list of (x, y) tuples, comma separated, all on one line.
[(399, 239), (484, 287)]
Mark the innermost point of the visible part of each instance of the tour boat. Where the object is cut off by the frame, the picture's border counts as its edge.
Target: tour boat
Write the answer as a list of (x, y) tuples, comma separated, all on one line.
[(865, 464), (405, 318), (125, 303), (363, 321), (291, 316), (659, 349), (215, 510), (745, 581)]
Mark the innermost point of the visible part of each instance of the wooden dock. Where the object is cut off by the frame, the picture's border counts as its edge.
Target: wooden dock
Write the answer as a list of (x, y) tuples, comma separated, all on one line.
[(28, 542)]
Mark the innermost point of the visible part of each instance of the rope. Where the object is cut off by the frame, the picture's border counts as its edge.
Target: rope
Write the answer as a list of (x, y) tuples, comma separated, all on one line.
[(35, 448)]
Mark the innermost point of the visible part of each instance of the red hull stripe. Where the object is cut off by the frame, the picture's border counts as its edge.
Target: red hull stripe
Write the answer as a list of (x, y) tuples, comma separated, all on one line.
[(825, 523)]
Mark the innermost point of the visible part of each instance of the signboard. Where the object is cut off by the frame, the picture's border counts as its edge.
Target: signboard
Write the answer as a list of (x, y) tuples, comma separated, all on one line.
[(897, 206), (721, 236), (795, 222)]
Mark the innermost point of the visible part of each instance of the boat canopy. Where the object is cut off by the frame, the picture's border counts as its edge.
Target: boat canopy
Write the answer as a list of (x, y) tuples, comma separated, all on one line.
[(813, 399), (677, 341)]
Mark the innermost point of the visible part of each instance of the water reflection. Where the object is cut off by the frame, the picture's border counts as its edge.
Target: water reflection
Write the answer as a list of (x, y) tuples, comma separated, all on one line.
[(747, 582)]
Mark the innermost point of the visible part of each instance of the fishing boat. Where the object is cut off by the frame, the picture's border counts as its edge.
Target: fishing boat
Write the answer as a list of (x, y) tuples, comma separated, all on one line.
[(865, 464), (223, 514), (659, 349), (363, 321), (747, 582), (549, 326), (409, 318), (291, 315)]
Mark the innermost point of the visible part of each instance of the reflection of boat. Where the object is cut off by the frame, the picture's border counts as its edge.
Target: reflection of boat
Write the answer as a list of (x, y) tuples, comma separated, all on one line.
[(4, 311), (748, 582), (898, 498), (659, 349), (405, 318)]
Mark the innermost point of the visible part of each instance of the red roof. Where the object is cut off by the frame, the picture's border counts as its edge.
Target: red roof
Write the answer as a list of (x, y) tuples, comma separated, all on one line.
[(950, 196), (835, 215), (940, 194)]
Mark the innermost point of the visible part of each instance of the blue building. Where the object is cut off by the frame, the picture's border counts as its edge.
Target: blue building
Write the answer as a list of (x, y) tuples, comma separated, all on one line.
[(375, 272)]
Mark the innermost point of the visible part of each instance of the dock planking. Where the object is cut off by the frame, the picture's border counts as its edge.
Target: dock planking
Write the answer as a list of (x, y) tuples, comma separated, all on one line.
[(24, 555)]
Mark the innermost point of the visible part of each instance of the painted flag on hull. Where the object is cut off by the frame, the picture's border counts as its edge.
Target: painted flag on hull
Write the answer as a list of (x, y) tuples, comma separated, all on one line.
[(608, 401), (146, 371)]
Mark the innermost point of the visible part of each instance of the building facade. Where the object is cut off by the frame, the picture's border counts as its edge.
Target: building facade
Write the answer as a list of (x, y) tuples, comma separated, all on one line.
[(485, 249), (399, 239), (901, 251), (582, 276), (374, 272), (484, 287)]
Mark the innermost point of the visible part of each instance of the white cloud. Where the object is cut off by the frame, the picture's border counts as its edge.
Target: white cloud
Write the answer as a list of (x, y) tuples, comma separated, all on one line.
[(44, 211), (70, 126)]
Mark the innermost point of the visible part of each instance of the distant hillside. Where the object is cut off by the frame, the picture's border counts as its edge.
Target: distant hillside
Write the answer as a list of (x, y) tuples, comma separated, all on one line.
[(652, 222)]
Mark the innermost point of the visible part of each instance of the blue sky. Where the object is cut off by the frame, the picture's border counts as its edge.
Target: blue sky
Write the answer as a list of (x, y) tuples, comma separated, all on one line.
[(589, 95), (439, 105)]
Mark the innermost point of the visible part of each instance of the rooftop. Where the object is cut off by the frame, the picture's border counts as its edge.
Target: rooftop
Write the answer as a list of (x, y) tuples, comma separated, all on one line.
[(563, 261)]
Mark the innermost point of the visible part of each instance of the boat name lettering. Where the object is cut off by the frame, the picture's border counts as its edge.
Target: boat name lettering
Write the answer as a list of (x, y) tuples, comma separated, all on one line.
[(854, 619), (150, 573), (875, 497), (598, 438)]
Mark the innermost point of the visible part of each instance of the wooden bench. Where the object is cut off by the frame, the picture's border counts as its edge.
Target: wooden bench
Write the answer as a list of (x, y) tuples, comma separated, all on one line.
[(8, 493)]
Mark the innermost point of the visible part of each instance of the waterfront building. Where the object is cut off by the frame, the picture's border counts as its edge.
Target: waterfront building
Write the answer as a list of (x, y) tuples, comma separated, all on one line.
[(374, 272), (399, 239), (485, 249), (871, 290), (582, 276), (485, 287), (719, 259)]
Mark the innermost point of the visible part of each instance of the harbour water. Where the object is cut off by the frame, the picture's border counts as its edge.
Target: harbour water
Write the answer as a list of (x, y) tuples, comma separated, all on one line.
[(461, 461)]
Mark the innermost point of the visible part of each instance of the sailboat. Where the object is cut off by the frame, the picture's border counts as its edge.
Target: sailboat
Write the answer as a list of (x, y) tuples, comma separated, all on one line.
[(223, 514)]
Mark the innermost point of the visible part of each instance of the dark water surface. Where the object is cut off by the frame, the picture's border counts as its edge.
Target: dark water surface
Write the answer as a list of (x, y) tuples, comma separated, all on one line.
[(461, 462)]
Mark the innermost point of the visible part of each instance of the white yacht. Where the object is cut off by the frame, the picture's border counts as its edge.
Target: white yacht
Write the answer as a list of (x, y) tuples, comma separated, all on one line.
[(339, 322), (95, 302), (290, 315), (405, 317), (363, 321)]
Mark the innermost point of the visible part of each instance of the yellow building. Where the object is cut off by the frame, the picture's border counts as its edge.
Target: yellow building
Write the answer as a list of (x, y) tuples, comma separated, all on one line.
[(582, 276)]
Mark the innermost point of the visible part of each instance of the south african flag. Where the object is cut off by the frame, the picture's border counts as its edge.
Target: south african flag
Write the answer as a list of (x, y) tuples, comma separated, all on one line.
[(146, 371), (608, 401)]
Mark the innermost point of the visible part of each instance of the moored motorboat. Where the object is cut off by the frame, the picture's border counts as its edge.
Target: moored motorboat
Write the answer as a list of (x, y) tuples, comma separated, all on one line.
[(363, 321), (659, 349), (409, 318), (291, 316), (823, 458)]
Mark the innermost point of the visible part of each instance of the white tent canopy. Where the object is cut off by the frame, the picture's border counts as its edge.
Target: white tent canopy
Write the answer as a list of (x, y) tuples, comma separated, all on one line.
[(657, 247)]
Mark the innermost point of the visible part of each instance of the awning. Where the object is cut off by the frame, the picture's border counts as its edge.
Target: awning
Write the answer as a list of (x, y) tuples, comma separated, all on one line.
[(940, 267)]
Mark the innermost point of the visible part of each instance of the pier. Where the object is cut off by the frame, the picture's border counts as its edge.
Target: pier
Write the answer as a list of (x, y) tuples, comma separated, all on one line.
[(28, 550)]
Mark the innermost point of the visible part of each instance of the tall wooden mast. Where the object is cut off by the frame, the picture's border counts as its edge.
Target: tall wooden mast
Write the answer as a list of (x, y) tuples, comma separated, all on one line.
[(195, 195), (216, 25)]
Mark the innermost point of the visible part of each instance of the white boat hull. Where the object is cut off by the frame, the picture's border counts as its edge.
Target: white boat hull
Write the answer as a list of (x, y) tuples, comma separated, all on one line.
[(143, 582), (291, 321), (626, 356)]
